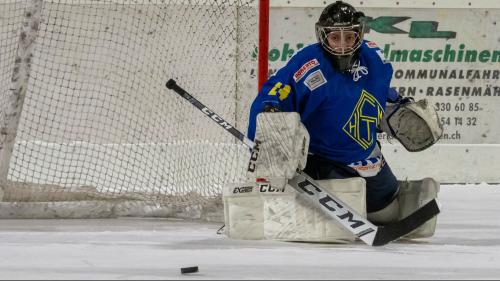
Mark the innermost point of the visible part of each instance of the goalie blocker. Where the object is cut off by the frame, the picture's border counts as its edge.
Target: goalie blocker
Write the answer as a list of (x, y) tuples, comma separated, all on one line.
[(282, 146)]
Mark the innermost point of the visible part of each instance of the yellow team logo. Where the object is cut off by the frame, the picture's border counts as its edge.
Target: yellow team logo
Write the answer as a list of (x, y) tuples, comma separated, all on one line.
[(359, 124), (282, 90)]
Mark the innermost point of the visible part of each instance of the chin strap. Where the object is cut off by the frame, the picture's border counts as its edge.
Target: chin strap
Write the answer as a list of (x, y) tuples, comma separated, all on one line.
[(357, 69)]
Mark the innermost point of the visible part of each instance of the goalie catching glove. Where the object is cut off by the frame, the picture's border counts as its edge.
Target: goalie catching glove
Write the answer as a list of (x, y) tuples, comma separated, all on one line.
[(414, 124), (281, 147)]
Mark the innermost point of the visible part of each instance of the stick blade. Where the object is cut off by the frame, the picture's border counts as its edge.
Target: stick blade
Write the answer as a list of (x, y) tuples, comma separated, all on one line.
[(389, 233)]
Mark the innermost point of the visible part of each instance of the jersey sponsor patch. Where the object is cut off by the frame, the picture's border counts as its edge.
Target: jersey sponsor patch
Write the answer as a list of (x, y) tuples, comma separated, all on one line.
[(315, 79), (371, 44), (369, 167), (304, 69)]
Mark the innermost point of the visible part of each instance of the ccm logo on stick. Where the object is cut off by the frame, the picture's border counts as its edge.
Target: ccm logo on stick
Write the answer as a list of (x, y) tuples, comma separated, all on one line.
[(333, 206), (216, 118), (254, 156)]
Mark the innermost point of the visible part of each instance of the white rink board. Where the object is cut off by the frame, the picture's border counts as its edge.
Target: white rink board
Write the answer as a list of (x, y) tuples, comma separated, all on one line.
[(464, 89), (446, 162)]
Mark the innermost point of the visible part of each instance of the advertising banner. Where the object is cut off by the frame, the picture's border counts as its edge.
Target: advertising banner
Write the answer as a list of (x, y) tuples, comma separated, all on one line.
[(448, 56)]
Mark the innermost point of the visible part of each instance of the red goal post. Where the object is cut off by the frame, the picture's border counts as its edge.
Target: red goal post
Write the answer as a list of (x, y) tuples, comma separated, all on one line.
[(263, 41)]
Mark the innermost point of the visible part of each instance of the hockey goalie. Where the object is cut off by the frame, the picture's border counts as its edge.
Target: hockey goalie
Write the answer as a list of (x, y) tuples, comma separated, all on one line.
[(320, 113)]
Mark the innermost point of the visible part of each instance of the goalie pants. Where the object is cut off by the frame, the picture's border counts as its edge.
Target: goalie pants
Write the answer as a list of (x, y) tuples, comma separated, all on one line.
[(381, 189)]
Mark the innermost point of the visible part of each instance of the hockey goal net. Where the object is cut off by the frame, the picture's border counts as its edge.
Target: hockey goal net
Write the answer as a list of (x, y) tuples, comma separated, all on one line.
[(88, 128)]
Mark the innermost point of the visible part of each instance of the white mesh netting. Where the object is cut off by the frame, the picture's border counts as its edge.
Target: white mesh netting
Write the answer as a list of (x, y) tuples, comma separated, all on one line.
[(96, 121)]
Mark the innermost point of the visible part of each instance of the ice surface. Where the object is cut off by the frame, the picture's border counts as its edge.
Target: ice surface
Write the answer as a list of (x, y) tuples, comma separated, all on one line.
[(466, 246)]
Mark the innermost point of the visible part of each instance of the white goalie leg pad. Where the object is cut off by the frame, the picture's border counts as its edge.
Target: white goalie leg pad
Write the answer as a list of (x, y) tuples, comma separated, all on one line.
[(413, 195), (414, 124), (243, 211), (282, 145), (351, 191), (387, 215), (260, 211)]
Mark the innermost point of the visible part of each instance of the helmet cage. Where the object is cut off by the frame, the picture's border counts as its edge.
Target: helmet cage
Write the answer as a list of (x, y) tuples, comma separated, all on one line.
[(345, 33)]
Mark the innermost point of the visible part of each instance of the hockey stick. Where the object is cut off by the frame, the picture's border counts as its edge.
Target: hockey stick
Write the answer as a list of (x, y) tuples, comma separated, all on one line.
[(331, 205)]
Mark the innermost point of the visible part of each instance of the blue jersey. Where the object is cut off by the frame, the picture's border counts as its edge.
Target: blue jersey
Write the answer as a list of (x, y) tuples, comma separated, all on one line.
[(341, 111)]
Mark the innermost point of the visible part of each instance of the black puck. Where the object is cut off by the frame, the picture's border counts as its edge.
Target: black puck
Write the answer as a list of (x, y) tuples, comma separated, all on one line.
[(191, 269)]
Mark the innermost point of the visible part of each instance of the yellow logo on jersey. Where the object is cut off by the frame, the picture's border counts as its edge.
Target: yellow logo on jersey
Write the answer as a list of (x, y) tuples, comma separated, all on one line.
[(359, 124), (282, 90)]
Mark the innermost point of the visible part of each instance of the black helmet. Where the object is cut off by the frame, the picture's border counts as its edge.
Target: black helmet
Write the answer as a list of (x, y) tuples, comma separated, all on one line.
[(340, 22)]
